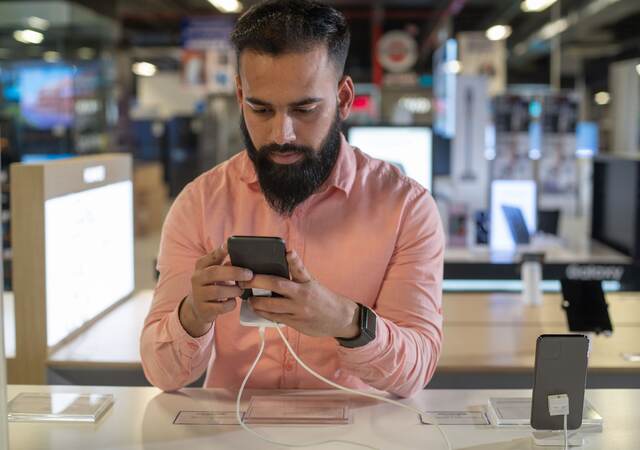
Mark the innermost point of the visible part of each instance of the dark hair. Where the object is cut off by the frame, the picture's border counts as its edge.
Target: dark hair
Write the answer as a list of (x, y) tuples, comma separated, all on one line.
[(276, 27)]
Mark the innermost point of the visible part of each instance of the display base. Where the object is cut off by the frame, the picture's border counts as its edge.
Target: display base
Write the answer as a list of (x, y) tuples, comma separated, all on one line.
[(553, 438)]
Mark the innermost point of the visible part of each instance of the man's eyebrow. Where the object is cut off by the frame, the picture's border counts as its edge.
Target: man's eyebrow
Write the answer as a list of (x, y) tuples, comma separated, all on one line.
[(304, 101)]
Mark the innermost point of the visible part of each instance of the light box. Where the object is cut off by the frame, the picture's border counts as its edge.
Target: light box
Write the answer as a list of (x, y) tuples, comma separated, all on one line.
[(408, 148), (73, 249)]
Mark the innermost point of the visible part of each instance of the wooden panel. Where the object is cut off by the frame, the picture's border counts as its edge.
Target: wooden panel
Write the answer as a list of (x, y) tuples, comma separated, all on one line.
[(27, 237)]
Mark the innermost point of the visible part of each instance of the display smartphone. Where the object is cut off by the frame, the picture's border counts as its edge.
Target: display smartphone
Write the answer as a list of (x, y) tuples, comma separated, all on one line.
[(560, 368), (262, 255), (585, 306)]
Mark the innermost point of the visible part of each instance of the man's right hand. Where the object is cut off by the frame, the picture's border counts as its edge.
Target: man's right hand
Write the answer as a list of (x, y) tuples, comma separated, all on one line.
[(213, 292)]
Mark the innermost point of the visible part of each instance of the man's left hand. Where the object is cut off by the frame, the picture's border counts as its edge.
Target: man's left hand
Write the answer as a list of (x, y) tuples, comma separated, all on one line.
[(305, 305)]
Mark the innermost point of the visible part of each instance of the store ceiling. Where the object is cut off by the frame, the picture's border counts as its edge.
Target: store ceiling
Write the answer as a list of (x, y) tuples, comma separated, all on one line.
[(592, 39)]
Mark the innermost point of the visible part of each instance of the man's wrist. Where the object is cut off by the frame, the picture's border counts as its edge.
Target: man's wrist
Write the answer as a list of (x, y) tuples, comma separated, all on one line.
[(191, 324), (352, 329)]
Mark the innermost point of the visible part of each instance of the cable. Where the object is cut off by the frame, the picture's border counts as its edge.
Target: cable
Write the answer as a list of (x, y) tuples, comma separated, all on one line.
[(261, 331), (364, 394), (566, 437)]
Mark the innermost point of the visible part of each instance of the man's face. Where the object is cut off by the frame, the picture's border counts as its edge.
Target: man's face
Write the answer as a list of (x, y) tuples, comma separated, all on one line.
[(292, 106)]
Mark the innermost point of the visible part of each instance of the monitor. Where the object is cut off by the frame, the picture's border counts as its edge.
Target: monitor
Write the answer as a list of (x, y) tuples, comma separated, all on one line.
[(76, 236), (408, 148), (616, 199), (512, 202)]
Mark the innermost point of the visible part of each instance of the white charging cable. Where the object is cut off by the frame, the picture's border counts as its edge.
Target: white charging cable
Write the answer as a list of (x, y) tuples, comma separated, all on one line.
[(559, 405), (330, 383), (261, 331)]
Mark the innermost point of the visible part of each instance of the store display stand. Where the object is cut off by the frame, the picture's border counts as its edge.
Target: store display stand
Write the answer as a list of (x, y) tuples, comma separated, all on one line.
[(555, 438)]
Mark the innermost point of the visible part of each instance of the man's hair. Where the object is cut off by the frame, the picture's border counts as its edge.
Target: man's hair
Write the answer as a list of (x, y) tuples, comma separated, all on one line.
[(277, 27)]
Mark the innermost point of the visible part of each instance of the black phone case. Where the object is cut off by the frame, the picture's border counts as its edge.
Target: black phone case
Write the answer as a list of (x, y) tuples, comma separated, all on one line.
[(261, 254), (560, 368)]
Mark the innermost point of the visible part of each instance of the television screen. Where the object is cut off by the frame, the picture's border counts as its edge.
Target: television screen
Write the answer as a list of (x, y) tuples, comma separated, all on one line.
[(47, 96), (408, 148), (89, 255)]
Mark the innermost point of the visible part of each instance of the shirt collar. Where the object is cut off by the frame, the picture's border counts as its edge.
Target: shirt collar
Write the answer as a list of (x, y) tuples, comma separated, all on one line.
[(342, 176)]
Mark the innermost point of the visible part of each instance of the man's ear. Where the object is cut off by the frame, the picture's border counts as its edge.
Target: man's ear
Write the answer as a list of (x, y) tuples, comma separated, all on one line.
[(346, 93)]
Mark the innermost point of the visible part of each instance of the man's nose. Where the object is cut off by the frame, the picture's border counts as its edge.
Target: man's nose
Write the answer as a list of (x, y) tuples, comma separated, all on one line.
[(282, 131)]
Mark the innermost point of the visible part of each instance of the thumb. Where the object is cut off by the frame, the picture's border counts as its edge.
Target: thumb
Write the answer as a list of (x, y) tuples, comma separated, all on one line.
[(299, 272)]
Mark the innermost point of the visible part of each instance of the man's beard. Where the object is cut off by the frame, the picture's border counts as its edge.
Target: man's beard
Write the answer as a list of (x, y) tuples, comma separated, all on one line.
[(285, 186)]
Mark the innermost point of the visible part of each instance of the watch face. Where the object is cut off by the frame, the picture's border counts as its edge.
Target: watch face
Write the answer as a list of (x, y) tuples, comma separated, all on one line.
[(367, 329)]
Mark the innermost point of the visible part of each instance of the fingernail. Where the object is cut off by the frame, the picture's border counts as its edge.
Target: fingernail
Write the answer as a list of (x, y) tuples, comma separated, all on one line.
[(248, 274)]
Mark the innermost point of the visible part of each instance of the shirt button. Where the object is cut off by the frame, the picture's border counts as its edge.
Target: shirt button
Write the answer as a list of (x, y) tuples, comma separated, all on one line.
[(193, 346), (289, 366)]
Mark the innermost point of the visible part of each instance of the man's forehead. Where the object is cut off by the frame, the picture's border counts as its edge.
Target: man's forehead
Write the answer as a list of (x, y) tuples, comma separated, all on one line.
[(300, 73)]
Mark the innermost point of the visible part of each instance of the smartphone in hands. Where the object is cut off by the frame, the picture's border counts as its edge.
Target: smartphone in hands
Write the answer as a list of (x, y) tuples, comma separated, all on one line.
[(262, 255)]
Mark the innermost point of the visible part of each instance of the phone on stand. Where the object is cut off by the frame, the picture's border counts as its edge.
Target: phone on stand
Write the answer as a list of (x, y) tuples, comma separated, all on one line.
[(262, 255), (560, 368)]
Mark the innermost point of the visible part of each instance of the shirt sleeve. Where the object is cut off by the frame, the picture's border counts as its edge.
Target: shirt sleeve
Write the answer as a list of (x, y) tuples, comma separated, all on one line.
[(171, 358), (403, 356)]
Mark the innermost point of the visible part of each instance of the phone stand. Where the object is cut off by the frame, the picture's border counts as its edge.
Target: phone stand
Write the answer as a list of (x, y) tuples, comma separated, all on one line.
[(555, 438)]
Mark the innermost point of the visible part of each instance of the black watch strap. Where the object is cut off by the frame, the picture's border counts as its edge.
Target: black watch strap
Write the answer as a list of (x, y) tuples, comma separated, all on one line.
[(368, 321)]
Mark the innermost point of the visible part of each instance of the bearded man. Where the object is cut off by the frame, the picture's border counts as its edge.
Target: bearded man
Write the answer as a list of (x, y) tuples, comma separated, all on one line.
[(364, 242)]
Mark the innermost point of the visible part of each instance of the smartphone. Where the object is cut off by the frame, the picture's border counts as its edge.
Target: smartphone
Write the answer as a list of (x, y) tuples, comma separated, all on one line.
[(262, 255), (560, 368)]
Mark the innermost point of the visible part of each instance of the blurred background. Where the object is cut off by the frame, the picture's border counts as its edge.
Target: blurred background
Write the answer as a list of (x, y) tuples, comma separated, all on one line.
[(521, 117)]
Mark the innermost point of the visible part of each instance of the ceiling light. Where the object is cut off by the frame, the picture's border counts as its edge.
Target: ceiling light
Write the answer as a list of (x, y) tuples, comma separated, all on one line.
[(38, 23), (536, 5), (227, 6), (552, 29), (28, 36), (86, 53), (144, 69), (498, 32), (638, 69), (51, 56), (602, 98)]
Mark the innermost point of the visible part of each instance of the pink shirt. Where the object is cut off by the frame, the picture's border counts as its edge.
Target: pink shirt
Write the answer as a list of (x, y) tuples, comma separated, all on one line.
[(370, 234)]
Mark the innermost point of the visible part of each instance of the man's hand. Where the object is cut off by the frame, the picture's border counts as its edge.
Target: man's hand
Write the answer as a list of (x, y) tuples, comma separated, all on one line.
[(213, 292), (305, 305)]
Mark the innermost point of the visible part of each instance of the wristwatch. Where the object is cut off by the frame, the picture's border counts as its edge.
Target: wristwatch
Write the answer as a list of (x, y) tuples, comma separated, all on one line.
[(368, 320)]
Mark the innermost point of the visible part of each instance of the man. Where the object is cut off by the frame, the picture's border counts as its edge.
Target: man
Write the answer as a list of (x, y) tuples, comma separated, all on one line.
[(365, 243)]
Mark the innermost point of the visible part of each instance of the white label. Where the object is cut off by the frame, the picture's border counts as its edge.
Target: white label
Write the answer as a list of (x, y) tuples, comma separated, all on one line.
[(206, 418), (455, 418)]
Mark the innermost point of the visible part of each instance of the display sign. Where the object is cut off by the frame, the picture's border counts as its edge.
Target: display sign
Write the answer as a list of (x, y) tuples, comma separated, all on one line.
[(397, 51)]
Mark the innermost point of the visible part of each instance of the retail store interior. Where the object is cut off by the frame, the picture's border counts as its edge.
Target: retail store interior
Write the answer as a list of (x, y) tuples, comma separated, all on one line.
[(520, 117)]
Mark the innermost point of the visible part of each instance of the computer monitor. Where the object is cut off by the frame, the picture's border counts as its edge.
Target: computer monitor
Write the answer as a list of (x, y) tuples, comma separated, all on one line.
[(408, 148), (510, 199), (616, 199), (73, 242)]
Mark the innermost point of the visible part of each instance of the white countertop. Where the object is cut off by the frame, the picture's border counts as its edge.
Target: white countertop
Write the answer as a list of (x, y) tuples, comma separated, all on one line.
[(142, 418)]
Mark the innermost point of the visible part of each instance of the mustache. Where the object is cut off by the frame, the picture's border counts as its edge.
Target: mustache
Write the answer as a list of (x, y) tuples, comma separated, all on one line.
[(286, 148)]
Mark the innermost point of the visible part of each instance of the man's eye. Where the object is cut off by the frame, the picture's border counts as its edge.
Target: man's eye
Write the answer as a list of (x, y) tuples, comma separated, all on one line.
[(259, 110), (304, 110)]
